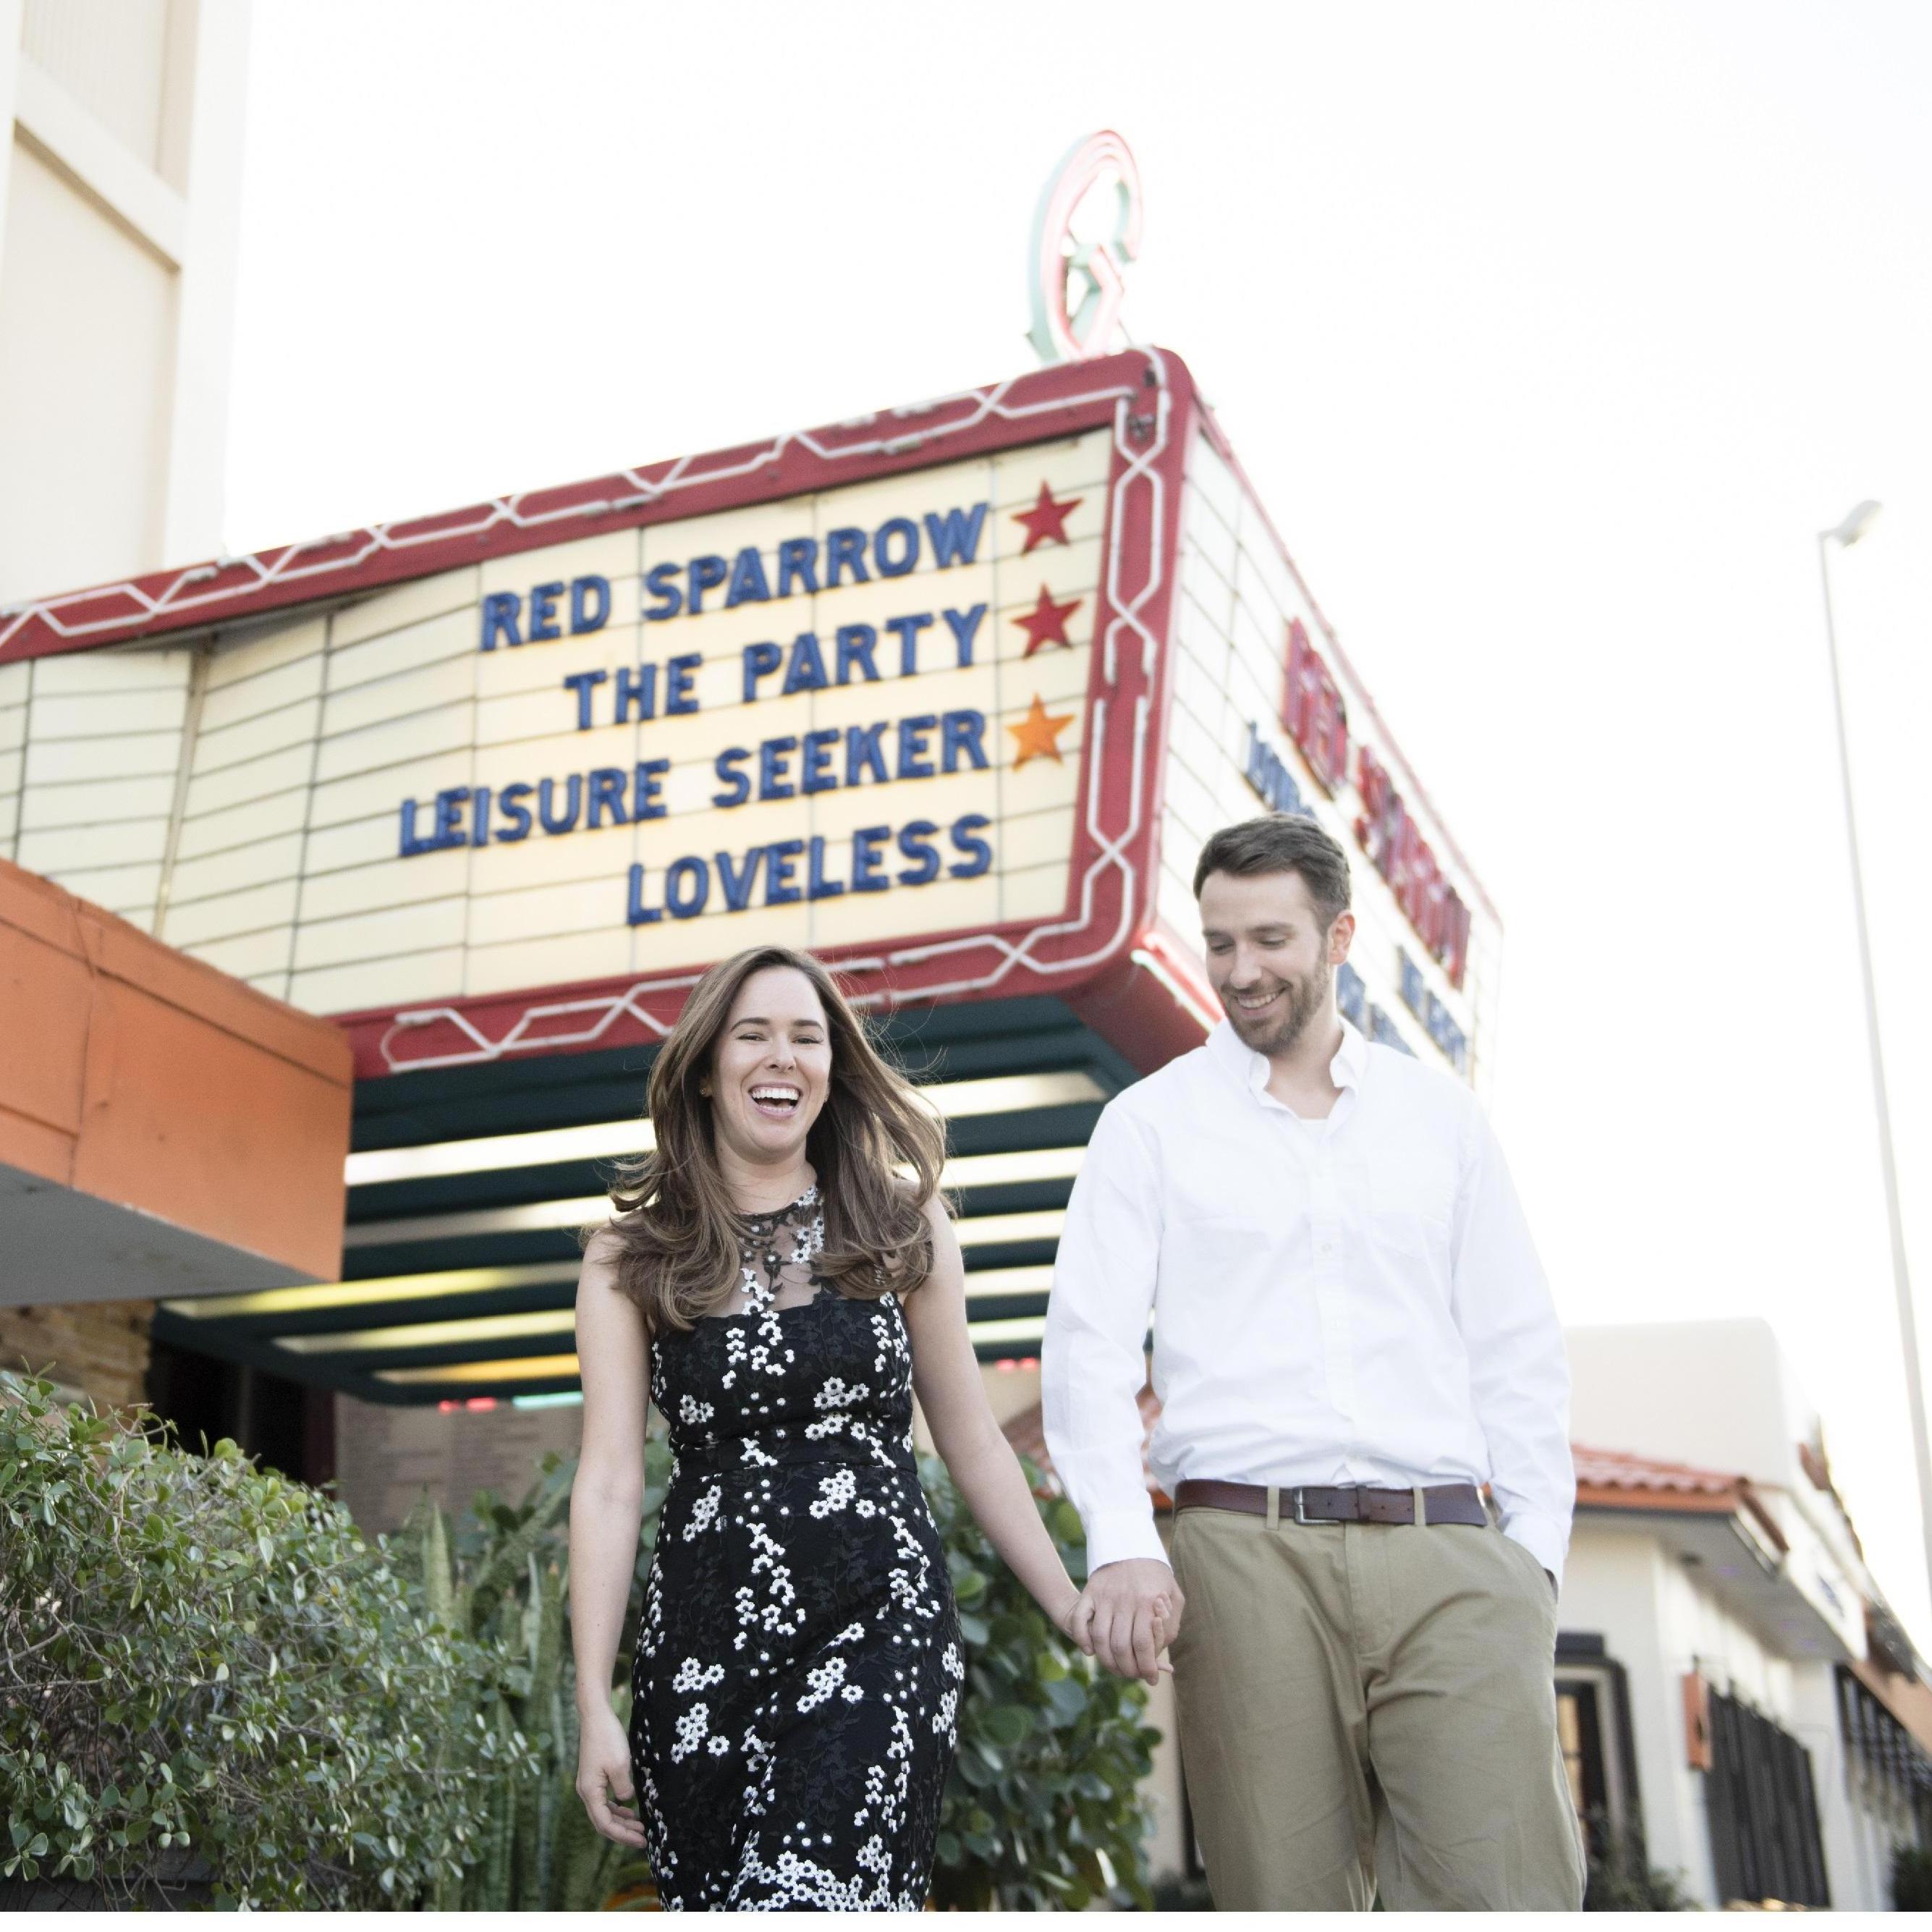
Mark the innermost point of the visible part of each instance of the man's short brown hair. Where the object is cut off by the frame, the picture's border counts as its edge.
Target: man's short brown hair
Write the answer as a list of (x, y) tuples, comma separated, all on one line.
[(1282, 842)]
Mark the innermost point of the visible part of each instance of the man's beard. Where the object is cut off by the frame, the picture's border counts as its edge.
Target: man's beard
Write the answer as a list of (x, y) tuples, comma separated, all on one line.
[(1271, 1036)]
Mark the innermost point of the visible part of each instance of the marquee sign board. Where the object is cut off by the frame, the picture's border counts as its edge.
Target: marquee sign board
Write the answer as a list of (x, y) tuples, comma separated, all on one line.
[(923, 692)]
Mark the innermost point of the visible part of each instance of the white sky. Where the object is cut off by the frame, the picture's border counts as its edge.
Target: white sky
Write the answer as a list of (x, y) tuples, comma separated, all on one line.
[(1549, 335)]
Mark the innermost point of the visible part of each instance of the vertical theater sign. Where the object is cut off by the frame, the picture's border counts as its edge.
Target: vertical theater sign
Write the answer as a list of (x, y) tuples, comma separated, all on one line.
[(951, 695)]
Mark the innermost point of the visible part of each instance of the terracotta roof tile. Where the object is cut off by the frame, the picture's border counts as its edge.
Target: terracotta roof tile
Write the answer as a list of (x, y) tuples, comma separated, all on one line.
[(1612, 1476)]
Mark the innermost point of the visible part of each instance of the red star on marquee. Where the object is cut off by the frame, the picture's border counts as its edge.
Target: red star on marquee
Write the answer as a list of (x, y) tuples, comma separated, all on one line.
[(1047, 520), (1045, 623)]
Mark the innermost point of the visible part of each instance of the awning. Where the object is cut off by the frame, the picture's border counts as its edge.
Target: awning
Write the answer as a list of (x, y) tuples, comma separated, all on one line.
[(164, 1129)]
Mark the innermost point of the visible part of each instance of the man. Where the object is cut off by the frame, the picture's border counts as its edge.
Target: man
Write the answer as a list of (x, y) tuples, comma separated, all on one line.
[(1351, 1334)]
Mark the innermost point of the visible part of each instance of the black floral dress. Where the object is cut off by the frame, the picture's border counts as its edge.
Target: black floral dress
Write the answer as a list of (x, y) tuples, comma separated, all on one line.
[(799, 1664)]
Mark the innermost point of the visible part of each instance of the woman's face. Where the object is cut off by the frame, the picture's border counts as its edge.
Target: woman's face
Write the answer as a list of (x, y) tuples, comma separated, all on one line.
[(771, 1067)]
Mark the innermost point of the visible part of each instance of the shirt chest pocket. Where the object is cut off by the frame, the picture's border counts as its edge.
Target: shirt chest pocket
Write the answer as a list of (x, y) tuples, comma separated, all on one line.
[(1407, 1209), (1212, 1251)]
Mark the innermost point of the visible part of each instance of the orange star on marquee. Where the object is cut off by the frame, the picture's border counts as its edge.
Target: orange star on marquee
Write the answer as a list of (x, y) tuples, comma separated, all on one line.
[(1037, 735), (1045, 623), (1046, 521)]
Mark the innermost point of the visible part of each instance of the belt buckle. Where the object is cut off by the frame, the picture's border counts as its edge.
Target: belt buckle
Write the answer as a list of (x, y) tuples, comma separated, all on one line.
[(1300, 1506)]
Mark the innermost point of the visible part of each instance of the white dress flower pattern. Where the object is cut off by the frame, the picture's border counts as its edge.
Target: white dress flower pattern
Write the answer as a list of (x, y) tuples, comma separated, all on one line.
[(796, 1683)]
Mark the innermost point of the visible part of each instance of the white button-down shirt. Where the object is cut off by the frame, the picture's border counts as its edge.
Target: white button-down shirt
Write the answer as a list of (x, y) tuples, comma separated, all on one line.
[(1349, 1301)]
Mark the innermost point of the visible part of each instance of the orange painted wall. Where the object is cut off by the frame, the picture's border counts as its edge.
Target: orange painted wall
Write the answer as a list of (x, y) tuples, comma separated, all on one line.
[(130, 1072)]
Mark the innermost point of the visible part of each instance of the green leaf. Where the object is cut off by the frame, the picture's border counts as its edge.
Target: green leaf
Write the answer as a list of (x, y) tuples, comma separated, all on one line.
[(1005, 1724)]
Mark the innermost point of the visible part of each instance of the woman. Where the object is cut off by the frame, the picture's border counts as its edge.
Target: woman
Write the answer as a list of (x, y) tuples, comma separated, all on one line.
[(782, 1291)]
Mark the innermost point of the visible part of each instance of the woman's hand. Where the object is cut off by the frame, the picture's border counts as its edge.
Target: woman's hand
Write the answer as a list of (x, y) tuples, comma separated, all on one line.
[(604, 1778)]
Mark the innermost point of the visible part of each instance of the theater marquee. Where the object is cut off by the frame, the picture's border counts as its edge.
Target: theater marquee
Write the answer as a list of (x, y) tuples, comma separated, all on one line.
[(949, 695)]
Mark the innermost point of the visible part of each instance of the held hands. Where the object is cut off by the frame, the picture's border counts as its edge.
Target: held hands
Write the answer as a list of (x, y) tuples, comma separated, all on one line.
[(1128, 1614), (604, 1778)]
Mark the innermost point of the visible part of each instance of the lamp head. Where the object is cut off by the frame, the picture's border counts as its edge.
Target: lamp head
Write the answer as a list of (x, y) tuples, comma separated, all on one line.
[(1857, 522)]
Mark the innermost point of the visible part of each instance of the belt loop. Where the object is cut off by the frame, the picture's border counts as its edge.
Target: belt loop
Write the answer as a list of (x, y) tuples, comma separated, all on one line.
[(1273, 1508), (1421, 1506)]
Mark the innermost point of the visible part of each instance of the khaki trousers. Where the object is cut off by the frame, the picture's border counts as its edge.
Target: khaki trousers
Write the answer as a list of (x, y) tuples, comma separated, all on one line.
[(1366, 1706)]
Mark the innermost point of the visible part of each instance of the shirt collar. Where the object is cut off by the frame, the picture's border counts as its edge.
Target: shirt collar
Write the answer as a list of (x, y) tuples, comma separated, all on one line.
[(1251, 1068)]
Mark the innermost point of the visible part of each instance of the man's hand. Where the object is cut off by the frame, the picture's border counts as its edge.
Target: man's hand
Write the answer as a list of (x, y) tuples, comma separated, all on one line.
[(1128, 1614)]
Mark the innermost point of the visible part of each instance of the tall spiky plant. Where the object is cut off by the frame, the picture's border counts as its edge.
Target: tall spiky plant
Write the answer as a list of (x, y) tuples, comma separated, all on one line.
[(502, 1578)]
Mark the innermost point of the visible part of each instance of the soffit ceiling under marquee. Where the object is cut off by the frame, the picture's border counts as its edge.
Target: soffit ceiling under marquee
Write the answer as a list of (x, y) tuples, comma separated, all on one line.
[(459, 1275)]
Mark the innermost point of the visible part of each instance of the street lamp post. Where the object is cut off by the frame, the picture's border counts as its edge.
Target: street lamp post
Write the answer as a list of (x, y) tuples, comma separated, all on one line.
[(1847, 533)]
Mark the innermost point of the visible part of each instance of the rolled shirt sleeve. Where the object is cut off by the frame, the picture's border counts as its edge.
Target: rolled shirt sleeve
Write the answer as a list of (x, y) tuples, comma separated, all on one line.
[(1093, 1359), (1518, 1374)]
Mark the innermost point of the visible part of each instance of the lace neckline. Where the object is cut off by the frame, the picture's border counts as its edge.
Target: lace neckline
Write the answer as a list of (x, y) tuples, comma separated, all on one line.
[(770, 1281)]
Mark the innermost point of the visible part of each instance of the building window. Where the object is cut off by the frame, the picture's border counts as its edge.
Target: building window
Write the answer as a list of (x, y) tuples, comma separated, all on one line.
[(1891, 1774), (1593, 1725), (1765, 1843)]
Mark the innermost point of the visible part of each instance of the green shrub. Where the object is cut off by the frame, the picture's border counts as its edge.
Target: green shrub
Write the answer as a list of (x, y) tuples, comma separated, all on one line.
[(200, 1657), (1621, 1878), (1043, 1809), (212, 1682)]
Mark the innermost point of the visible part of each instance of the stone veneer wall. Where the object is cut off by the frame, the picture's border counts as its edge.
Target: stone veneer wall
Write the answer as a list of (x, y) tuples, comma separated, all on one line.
[(95, 1348), (385, 1458)]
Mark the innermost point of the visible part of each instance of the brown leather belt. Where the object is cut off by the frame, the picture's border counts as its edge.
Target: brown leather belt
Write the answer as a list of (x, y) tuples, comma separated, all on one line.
[(1447, 1502)]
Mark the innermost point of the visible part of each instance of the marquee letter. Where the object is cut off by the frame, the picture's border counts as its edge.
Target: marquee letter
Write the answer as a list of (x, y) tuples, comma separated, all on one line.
[(637, 690), (955, 537), (726, 765), (747, 584), (978, 854), (543, 625), (573, 792), (798, 556), (647, 800), (687, 886), (914, 842), (964, 625), (583, 682), (584, 591), (806, 670), (679, 698), (856, 643), (907, 630), (779, 859), (772, 782), (637, 913), (817, 885), (660, 583), (760, 661), (915, 760), (706, 573), (607, 794), (815, 773), (963, 732), (738, 885), (862, 752), (845, 549), (449, 819), (516, 811), (499, 619), (906, 531), (867, 874), (411, 845)]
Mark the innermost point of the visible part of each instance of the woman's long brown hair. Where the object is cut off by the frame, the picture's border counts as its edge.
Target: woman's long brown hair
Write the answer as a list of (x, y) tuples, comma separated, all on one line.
[(678, 1229)]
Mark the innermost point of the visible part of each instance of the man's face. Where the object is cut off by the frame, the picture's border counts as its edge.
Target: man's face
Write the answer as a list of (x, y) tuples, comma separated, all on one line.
[(1268, 959)]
